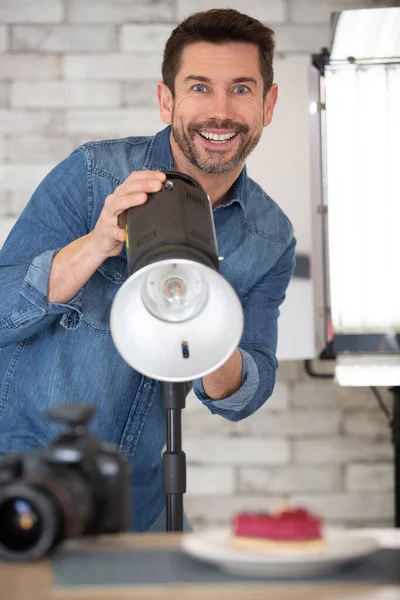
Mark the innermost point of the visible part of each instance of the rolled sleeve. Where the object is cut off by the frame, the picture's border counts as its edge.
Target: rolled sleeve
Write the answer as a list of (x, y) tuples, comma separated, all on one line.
[(240, 399), (36, 283)]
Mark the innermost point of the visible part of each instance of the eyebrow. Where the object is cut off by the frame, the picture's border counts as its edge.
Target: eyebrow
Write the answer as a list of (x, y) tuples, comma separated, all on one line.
[(208, 80)]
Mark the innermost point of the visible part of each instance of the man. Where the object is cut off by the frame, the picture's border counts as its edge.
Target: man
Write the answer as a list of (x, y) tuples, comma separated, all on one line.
[(65, 259)]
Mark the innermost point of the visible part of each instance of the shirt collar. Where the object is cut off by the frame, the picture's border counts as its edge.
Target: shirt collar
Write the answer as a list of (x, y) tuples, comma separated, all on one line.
[(237, 192), (159, 157)]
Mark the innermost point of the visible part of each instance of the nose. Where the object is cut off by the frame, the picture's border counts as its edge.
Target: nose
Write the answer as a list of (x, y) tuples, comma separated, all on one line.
[(221, 106)]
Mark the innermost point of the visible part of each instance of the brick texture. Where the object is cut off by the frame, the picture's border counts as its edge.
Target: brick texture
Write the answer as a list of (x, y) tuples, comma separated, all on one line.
[(273, 11), (120, 11), (25, 11), (64, 38)]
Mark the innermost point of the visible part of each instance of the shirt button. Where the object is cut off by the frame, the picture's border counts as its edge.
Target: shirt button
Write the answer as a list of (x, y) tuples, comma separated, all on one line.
[(129, 438), (147, 386), (117, 275)]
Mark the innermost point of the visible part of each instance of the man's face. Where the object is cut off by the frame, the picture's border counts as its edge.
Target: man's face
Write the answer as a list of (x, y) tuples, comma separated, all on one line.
[(218, 112)]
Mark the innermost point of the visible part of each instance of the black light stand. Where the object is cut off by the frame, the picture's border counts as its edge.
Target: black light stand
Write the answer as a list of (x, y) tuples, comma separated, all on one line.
[(176, 222), (396, 442), (174, 459)]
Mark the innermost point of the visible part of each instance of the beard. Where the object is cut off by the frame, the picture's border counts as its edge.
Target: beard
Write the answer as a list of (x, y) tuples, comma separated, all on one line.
[(214, 161)]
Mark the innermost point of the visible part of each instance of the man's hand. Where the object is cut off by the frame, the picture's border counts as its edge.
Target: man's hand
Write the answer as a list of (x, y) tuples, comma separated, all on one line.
[(73, 265), (108, 236)]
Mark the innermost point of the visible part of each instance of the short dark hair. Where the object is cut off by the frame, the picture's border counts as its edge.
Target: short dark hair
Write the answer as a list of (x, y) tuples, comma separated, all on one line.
[(219, 26)]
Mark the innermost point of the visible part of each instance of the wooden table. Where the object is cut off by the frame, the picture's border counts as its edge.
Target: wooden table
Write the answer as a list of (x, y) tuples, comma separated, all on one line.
[(34, 582)]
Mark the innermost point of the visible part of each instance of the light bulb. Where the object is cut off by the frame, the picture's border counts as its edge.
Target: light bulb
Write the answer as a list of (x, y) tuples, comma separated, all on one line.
[(175, 292)]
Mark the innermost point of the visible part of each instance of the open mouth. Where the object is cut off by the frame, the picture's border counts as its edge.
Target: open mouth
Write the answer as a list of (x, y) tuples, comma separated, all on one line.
[(218, 138)]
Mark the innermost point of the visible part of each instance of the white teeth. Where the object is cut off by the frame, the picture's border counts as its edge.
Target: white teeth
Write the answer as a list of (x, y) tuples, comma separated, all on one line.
[(215, 137)]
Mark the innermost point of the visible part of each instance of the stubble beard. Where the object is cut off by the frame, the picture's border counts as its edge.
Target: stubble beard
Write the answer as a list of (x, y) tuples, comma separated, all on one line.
[(214, 163)]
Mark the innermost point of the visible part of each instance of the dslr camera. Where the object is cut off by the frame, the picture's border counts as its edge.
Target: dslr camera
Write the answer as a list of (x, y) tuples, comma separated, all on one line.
[(77, 486)]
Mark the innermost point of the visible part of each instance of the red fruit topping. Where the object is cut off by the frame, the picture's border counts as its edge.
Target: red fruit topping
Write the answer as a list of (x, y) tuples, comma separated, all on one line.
[(289, 525)]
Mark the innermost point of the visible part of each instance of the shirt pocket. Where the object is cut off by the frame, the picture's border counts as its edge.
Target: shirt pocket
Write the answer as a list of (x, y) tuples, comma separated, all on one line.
[(100, 292)]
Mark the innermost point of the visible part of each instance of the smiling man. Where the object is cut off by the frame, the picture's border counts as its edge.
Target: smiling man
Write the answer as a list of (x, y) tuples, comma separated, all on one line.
[(65, 259)]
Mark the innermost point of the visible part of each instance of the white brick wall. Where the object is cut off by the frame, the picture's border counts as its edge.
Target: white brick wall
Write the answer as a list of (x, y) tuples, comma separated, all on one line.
[(301, 39), (237, 451), (120, 11), (361, 477), (3, 148), (3, 38), (136, 67), (340, 450), (23, 122), (294, 424), (6, 224), (73, 70), (291, 424), (271, 11), (4, 87), (36, 148), (202, 481), (112, 122), (12, 203), (152, 38), (64, 38), (22, 177), (351, 506), (322, 394), (29, 66), (26, 11), (371, 424), (140, 93), (290, 479), (53, 94)]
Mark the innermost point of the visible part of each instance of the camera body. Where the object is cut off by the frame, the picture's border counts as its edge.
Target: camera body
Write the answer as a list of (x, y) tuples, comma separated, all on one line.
[(77, 486)]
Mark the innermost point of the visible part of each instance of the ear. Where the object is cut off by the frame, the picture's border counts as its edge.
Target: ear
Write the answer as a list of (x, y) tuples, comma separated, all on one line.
[(165, 102), (269, 104)]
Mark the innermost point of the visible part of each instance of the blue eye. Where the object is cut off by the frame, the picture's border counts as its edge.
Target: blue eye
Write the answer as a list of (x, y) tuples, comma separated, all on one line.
[(199, 87), (241, 89)]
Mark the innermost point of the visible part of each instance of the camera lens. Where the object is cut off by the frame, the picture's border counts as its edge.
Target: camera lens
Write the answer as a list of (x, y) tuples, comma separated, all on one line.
[(21, 524), (30, 522)]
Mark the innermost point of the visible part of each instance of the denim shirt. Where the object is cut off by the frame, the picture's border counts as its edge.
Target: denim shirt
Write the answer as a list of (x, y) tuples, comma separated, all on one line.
[(53, 353)]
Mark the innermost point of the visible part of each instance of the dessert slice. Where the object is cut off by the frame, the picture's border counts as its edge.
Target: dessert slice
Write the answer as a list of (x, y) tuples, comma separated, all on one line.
[(290, 529)]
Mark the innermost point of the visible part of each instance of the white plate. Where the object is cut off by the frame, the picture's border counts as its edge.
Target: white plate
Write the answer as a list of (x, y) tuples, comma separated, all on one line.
[(388, 537), (342, 547)]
